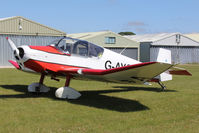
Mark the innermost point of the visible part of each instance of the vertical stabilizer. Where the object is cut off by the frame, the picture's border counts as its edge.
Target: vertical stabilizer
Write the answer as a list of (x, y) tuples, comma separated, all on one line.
[(164, 56)]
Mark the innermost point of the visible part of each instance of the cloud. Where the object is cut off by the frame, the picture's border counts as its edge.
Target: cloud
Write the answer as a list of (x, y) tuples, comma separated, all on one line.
[(136, 23), (136, 26), (140, 30)]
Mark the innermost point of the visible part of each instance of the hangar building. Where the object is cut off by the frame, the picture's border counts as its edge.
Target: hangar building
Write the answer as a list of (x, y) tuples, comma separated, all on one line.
[(112, 41), (183, 49), (23, 32)]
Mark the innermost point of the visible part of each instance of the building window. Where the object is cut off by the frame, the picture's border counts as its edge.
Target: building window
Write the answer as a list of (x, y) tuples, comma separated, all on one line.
[(110, 40)]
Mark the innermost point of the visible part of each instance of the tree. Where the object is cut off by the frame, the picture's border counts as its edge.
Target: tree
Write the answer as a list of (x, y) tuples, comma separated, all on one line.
[(126, 33)]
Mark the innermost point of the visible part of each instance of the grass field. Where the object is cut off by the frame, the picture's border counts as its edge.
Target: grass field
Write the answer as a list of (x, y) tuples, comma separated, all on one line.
[(103, 108)]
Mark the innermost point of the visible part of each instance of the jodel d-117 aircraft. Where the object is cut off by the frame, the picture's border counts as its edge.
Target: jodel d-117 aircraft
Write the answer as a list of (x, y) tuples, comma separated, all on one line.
[(78, 59)]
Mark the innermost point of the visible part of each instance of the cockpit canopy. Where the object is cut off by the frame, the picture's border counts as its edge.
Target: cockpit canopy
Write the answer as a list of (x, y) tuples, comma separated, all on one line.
[(72, 46)]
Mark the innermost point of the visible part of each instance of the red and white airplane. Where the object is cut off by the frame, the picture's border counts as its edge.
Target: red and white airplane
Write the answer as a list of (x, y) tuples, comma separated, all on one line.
[(78, 59)]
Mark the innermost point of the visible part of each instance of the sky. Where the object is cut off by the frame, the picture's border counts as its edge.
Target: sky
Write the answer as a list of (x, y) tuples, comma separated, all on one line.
[(138, 16)]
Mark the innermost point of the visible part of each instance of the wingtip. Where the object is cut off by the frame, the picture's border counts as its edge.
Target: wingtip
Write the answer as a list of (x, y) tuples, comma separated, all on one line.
[(14, 63)]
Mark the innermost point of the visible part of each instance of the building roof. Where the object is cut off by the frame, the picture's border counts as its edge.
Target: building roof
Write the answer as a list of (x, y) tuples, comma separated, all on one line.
[(164, 39), (18, 25), (150, 37), (99, 38), (194, 36), (1, 19), (87, 35)]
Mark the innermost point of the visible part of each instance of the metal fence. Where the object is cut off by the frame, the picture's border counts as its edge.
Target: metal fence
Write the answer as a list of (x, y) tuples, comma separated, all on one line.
[(6, 52)]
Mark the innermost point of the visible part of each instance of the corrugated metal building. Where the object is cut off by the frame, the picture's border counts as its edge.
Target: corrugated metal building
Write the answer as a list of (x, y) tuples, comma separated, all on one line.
[(112, 41), (183, 49), (23, 32)]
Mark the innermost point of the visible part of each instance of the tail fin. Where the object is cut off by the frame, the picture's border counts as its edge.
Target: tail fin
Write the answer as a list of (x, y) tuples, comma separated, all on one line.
[(164, 56)]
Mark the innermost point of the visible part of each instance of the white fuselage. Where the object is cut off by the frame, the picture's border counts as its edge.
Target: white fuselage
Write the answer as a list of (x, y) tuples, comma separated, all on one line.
[(108, 60)]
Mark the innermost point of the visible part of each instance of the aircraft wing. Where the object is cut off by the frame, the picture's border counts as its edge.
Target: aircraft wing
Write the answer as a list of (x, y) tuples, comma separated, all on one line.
[(137, 73)]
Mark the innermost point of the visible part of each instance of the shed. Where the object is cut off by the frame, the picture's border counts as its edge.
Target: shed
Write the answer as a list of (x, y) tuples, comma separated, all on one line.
[(23, 32), (112, 41), (183, 49)]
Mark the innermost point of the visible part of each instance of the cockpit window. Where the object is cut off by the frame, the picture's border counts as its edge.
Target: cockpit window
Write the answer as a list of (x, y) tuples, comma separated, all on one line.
[(78, 47), (96, 51)]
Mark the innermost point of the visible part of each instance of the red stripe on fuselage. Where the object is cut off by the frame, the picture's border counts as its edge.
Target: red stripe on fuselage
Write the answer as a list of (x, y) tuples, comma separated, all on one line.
[(49, 49), (40, 66), (113, 70)]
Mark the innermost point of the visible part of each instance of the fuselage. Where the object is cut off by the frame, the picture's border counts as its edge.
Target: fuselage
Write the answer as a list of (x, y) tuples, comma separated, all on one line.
[(37, 57)]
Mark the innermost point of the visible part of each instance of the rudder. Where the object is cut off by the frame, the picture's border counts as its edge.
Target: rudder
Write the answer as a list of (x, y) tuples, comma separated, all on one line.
[(164, 56)]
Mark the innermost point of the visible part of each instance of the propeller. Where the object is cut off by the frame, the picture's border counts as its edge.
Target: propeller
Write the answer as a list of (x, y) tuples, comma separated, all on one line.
[(13, 46), (18, 54)]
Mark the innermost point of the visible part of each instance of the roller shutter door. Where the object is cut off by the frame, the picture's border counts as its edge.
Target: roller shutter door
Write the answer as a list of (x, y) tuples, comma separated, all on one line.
[(129, 52)]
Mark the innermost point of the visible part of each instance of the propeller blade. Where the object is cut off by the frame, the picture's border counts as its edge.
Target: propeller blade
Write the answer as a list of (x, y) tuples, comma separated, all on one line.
[(12, 45)]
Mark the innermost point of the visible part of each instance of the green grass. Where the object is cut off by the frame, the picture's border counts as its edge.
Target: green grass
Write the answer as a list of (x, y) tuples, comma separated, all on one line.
[(103, 108)]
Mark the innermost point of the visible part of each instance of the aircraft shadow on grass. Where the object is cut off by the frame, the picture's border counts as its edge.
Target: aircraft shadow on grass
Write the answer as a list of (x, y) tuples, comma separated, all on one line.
[(91, 98)]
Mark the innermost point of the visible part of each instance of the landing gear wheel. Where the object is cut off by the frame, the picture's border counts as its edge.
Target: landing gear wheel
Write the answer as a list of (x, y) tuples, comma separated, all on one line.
[(37, 87), (67, 93)]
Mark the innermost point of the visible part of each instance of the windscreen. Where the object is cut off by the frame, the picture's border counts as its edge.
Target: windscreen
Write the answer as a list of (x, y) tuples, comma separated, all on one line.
[(78, 47)]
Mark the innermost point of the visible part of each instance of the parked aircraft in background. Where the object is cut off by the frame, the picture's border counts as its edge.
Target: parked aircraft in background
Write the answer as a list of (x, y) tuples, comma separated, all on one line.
[(78, 59)]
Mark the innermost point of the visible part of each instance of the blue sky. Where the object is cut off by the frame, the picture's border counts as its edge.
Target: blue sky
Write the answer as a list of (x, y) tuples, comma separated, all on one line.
[(138, 16)]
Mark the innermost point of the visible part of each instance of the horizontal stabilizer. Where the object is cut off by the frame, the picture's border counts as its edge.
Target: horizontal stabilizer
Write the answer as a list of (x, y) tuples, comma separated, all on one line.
[(179, 71)]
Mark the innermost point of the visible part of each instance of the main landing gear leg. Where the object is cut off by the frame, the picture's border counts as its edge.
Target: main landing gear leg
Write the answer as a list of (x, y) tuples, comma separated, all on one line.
[(38, 87), (67, 92), (162, 85)]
